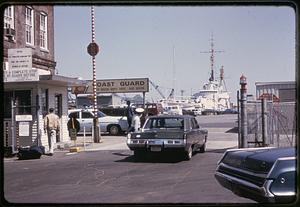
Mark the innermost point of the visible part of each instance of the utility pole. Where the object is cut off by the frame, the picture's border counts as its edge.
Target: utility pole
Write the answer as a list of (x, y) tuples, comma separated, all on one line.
[(243, 83), (93, 50)]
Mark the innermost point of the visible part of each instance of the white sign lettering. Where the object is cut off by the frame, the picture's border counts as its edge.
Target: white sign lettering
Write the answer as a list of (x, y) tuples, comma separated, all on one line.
[(120, 85), (20, 66), (23, 129)]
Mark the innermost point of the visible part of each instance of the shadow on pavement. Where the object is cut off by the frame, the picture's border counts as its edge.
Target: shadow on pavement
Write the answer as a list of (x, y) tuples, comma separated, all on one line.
[(121, 154), (233, 130), (151, 158)]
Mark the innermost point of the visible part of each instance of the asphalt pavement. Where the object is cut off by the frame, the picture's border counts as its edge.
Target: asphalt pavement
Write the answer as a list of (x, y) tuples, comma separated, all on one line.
[(107, 172)]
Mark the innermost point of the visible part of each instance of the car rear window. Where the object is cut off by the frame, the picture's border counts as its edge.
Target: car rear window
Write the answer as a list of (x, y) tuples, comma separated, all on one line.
[(164, 123)]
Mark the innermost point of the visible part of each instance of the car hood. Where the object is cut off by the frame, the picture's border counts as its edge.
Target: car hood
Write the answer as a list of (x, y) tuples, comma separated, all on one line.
[(258, 160), (159, 134)]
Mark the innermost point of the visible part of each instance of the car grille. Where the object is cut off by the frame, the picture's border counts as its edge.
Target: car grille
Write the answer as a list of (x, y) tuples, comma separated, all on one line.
[(257, 180)]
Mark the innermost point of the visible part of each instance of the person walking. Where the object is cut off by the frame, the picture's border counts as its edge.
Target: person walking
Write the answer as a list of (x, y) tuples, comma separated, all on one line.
[(51, 127), (129, 114), (73, 124), (136, 120)]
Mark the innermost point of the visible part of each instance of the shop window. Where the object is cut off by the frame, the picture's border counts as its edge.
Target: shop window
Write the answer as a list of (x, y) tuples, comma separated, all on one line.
[(23, 102)]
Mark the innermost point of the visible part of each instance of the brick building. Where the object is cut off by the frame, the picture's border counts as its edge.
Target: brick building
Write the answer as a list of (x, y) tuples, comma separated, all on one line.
[(31, 83)]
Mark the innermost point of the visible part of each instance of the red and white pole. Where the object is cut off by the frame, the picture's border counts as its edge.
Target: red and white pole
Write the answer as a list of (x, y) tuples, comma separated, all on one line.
[(95, 121)]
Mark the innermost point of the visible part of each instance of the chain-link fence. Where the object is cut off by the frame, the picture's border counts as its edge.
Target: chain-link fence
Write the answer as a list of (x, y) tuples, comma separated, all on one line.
[(279, 124)]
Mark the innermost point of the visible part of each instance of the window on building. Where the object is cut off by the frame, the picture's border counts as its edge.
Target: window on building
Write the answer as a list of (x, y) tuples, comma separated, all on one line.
[(44, 101), (58, 105), (9, 17), (22, 102), (43, 31), (29, 25)]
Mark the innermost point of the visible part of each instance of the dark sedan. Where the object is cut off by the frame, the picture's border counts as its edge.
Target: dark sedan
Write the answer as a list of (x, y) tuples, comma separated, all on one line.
[(180, 133), (266, 175)]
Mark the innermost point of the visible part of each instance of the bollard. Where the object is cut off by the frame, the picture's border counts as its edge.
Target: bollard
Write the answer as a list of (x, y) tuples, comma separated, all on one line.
[(84, 138)]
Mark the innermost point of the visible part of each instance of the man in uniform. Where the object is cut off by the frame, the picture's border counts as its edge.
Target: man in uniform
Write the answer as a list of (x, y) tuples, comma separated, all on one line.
[(51, 127)]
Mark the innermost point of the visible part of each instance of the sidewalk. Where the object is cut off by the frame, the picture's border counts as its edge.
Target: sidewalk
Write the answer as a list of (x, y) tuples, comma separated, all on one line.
[(217, 139), (106, 143)]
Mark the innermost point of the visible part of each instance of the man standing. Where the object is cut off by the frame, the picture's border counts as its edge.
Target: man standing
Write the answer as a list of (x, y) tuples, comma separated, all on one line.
[(51, 127), (72, 124), (129, 114), (136, 121)]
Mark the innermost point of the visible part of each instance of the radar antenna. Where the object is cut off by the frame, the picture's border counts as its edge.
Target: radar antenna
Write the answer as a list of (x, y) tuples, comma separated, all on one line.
[(212, 52)]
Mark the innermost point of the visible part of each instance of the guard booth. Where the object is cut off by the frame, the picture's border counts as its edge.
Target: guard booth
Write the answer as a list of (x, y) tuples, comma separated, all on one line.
[(26, 104), (20, 119)]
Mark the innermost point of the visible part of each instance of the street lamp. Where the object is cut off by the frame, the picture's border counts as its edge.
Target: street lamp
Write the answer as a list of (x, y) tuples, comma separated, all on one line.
[(93, 50)]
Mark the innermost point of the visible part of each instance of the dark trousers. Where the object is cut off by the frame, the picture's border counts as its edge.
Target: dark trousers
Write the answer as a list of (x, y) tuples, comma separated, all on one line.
[(129, 121)]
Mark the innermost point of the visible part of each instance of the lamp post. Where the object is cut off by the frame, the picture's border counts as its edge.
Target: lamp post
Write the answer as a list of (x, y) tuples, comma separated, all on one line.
[(93, 50), (243, 90)]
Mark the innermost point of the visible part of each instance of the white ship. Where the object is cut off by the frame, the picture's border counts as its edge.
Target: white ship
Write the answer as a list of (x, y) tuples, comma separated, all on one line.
[(213, 97)]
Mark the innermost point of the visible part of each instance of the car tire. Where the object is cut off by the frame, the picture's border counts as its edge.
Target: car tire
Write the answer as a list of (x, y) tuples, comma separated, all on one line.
[(189, 153), (202, 148), (114, 129)]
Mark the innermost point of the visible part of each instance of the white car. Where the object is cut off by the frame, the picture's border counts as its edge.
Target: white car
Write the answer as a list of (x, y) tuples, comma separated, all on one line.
[(173, 110), (112, 124)]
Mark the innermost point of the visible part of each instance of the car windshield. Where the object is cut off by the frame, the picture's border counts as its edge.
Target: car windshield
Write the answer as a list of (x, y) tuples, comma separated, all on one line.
[(165, 123), (101, 114)]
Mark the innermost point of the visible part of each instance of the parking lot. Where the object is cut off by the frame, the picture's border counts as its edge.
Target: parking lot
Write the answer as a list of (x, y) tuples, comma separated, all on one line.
[(107, 173)]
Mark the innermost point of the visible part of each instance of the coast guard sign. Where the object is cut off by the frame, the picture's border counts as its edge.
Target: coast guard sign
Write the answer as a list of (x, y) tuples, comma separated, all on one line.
[(120, 85)]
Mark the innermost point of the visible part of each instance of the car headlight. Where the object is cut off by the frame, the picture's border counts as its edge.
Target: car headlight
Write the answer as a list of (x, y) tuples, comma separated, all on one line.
[(129, 135)]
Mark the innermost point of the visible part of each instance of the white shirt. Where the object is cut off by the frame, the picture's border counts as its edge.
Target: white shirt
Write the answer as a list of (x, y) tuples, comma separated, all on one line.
[(136, 122)]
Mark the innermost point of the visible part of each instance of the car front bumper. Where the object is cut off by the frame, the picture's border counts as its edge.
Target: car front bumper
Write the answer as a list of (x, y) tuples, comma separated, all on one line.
[(246, 189)]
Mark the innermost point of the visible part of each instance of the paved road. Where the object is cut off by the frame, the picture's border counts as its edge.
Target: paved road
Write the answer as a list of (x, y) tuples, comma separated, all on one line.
[(112, 176)]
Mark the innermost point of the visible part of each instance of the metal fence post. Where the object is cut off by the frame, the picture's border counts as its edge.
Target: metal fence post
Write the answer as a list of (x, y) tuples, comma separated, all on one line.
[(264, 121), (244, 128), (239, 118)]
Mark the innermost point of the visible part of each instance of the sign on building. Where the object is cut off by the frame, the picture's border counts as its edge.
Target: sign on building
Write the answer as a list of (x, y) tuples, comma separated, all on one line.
[(120, 85), (20, 66)]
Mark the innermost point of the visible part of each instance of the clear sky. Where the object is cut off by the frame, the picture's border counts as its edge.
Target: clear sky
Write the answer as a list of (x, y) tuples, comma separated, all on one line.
[(138, 42)]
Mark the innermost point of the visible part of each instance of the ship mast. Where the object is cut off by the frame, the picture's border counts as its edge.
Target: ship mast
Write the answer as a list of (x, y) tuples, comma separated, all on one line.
[(222, 81), (212, 52)]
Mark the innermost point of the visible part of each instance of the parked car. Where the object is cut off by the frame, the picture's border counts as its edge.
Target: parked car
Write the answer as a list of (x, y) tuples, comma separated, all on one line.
[(163, 133), (229, 111), (197, 111), (112, 111), (112, 124), (266, 175), (150, 110), (173, 110), (188, 112)]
